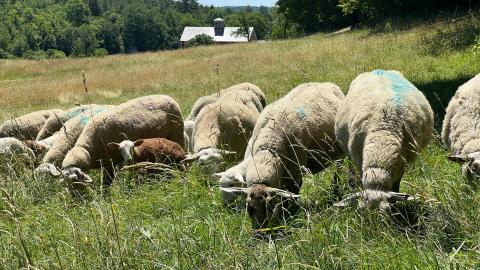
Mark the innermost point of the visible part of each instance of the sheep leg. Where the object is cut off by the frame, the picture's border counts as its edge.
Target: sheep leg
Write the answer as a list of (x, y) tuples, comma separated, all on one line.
[(108, 171)]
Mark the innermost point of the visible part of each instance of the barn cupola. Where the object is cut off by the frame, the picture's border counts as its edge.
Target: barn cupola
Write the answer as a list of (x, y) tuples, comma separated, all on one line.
[(219, 26)]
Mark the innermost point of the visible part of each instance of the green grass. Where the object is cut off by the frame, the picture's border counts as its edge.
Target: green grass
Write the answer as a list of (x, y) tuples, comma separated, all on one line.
[(181, 223)]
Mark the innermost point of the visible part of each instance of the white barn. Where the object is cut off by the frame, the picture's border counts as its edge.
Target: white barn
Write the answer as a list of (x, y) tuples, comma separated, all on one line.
[(219, 33)]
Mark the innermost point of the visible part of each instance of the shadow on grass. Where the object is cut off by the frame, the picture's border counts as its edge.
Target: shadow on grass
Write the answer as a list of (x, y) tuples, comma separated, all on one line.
[(439, 93)]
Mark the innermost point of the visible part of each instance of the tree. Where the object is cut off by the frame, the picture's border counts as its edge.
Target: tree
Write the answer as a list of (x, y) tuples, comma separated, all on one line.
[(244, 29), (78, 12), (200, 40)]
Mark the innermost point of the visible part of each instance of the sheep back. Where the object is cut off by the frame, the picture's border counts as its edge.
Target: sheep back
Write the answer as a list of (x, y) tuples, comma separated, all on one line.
[(26, 127), (384, 121), (292, 129), (68, 135)]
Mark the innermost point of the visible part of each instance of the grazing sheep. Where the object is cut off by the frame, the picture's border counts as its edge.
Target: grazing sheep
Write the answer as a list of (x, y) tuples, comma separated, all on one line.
[(66, 139), (226, 123), (26, 127), (57, 120), (145, 117), (295, 131), (158, 150), (461, 126), (256, 103), (383, 124), (11, 148), (205, 100)]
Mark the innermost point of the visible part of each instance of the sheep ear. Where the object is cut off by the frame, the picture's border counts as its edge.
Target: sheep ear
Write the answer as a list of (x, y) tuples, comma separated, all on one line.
[(349, 200), (393, 197), (217, 175), (54, 171), (239, 178), (138, 142), (282, 193), (237, 191), (226, 152), (458, 158), (190, 159), (113, 145)]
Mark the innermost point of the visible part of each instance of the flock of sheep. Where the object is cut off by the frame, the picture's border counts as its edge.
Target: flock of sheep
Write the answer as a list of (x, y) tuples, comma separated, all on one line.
[(382, 124)]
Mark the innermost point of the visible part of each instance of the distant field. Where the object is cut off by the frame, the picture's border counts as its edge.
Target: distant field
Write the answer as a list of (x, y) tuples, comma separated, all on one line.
[(181, 223)]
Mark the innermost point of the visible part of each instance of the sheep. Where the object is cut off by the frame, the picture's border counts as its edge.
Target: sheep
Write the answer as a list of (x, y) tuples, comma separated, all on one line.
[(149, 116), (460, 128), (26, 127), (66, 139), (11, 148), (384, 122), (56, 121), (256, 103), (158, 150), (295, 131), (226, 123)]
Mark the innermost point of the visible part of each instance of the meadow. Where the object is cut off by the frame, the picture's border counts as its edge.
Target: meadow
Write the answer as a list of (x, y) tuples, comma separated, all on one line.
[(181, 223)]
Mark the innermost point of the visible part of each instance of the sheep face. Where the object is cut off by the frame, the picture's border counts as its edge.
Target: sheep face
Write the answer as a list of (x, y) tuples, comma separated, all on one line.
[(267, 207), (126, 148), (229, 179), (209, 159), (470, 165), (74, 175)]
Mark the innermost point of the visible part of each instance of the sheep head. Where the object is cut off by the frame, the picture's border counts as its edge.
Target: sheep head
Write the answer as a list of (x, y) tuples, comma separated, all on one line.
[(209, 158), (470, 165), (74, 176), (46, 170), (125, 148), (267, 207)]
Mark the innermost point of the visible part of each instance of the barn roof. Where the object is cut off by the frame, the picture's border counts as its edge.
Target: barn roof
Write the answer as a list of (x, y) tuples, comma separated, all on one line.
[(228, 34)]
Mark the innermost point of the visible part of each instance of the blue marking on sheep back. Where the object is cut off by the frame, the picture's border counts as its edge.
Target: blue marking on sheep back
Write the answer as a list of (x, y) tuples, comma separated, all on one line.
[(85, 119), (301, 112), (76, 112), (400, 85)]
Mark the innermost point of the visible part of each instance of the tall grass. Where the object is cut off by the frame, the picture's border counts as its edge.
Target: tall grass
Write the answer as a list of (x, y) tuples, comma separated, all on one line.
[(181, 223)]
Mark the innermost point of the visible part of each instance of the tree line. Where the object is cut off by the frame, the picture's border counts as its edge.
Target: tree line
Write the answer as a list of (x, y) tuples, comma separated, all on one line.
[(38, 29)]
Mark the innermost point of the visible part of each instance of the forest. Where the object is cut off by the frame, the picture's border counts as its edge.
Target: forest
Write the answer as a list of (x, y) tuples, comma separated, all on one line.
[(39, 29)]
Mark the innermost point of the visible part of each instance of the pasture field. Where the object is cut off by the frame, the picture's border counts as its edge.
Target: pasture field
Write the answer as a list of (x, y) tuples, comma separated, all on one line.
[(181, 223)]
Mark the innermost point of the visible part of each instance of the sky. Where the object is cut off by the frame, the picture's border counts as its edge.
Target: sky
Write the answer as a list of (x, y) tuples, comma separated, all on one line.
[(267, 3)]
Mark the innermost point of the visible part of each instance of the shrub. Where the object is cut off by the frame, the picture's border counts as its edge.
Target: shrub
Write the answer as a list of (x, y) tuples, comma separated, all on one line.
[(55, 54), (100, 52), (200, 40), (6, 55), (476, 45), (35, 55)]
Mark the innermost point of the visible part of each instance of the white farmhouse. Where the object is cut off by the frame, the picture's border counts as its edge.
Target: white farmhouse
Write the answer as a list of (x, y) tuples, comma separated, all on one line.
[(219, 33)]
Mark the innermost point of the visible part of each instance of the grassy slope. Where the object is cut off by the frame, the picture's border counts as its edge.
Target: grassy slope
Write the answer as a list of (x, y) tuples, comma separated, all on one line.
[(182, 223)]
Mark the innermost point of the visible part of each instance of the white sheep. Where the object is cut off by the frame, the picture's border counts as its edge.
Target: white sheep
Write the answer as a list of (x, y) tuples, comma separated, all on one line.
[(461, 128), (256, 103), (26, 127), (66, 139), (225, 123), (144, 117), (294, 132), (57, 120), (384, 122), (12, 148)]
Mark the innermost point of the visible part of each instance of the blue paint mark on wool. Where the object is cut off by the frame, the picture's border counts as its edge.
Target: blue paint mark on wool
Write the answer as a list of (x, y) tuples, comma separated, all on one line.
[(84, 119), (76, 112), (301, 112), (400, 85)]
